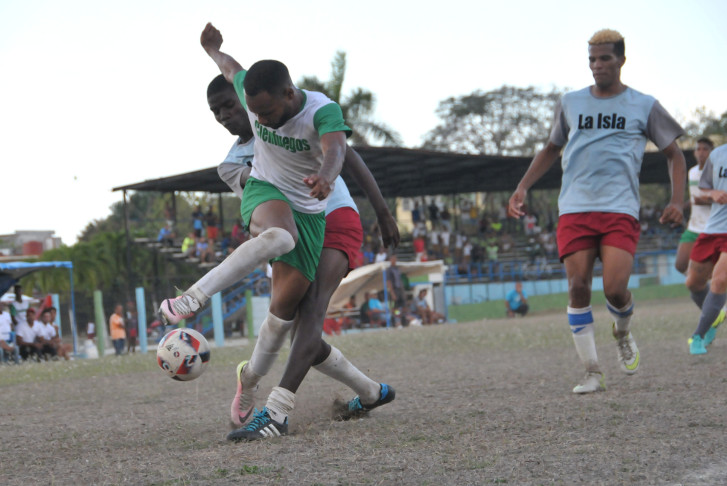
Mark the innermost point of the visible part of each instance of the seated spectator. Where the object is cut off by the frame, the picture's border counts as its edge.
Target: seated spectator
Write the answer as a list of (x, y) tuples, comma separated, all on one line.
[(238, 235), (166, 236), (377, 311), (347, 320), (206, 250), (64, 349), (368, 254), (43, 334), (189, 245), (28, 345), (425, 313), (7, 339), (50, 335), (516, 301), (364, 314)]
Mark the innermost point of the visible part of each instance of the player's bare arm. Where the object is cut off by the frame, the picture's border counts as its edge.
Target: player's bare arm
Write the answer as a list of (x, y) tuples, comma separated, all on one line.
[(717, 196), (363, 177), (211, 40), (542, 162), (674, 211), (333, 146)]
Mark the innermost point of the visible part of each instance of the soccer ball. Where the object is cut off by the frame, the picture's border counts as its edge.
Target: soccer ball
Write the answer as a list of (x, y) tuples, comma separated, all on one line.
[(183, 354)]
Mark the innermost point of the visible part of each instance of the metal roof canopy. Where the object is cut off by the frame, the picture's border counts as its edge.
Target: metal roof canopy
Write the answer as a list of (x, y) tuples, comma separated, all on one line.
[(402, 172)]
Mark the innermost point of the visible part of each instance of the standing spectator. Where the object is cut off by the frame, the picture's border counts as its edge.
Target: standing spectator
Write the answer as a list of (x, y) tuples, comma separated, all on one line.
[(395, 283), (169, 214), (444, 242), (7, 342), (446, 218), (376, 310), (516, 301), (132, 327), (433, 213), (529, 222), (198, 221), (434, 243), (491, 249), (117, 329), (19, 305), (238, 234), (416, 215), (368, 254), (211, 220)]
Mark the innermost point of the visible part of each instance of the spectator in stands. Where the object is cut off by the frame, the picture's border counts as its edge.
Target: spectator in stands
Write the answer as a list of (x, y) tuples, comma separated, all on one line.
[(376, 311), (346, 320), (238, 234), (416, 215), (444, 239), (26, 337), (211, 221), (7, 341), (189, 245), (433, 246), (420, 248), (467, 252), (433, 213), (491, 249), (425, 313), (516, 301), (169, 214), (117, 330), (206, 250), (529, 223), (382, 254), (47, 334), (446, 218), (198, 221), (166, 236)]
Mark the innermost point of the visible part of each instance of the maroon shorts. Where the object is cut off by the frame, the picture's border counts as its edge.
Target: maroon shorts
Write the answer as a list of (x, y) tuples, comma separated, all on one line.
[(582, 231), (344, 233), (709, 247)]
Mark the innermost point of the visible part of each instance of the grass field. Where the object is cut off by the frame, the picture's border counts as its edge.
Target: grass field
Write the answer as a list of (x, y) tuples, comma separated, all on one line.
[(485, 402), (540, 303)]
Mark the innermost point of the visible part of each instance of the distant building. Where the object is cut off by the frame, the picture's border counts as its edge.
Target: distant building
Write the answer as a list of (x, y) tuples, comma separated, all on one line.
[(28, 243)]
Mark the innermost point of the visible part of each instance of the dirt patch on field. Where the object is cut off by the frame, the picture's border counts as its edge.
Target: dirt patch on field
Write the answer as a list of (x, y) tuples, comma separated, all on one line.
[(477, 403)]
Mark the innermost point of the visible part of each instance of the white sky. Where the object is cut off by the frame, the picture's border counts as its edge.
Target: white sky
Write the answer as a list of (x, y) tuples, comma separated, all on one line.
[(96, 94)]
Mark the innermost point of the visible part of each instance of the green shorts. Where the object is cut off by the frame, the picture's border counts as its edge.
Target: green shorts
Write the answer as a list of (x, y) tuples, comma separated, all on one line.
[(311, 227), (688, 237)]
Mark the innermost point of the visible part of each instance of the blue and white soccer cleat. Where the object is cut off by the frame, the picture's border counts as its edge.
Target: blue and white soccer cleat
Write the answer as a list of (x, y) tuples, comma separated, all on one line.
[(260, 427)]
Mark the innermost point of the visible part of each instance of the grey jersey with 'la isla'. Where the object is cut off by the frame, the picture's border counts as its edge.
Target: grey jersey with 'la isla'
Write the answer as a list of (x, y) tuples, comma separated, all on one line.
[(714, 176), (604, 142)]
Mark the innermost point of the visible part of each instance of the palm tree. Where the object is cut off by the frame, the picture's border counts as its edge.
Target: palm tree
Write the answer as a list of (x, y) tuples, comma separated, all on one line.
[(357, 107)]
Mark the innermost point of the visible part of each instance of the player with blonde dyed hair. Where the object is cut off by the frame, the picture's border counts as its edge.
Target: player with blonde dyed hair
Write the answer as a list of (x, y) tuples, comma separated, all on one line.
[(602, 131)]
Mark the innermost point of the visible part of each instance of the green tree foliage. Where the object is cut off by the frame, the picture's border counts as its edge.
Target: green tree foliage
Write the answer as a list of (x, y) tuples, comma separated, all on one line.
[(358, 106), (703, 123), (505, 121)]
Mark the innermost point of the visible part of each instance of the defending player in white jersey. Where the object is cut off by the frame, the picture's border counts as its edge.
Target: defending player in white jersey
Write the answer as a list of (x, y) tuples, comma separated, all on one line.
[(604, 129), (700, 205), (709, 254)]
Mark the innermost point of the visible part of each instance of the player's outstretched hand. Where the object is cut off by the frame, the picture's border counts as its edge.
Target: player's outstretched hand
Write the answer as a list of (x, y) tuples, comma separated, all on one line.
[(211, 38), (389, 230), (672, 213), (320, 187), (514, 208)]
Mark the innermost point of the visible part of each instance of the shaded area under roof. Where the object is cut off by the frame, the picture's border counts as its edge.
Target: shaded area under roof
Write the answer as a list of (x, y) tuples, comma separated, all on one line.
[(402, 172)]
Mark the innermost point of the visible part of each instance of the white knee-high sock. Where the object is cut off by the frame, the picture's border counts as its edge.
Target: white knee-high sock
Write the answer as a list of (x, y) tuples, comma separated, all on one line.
[(581, 325), (271, 243), (339, 368), (622, 316), (269, 341), (280, 403)]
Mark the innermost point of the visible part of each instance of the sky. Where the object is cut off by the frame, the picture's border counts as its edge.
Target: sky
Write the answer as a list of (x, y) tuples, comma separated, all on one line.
[(96, 95)]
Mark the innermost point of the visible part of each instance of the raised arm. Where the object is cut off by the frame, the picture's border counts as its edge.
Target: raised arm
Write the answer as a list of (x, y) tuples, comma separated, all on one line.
[(333, 146), (541, 163), (365, 180), (674, 211), (211, 40)]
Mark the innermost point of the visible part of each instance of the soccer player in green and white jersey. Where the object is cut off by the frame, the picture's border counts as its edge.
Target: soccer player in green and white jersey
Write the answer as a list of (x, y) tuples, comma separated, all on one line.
[(299, 151)]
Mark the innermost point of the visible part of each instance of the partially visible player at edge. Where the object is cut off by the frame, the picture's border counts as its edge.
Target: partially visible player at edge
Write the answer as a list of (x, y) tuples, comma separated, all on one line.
[(301, 142), (700, 205), (343, 238), (604, 129), (709, 255)]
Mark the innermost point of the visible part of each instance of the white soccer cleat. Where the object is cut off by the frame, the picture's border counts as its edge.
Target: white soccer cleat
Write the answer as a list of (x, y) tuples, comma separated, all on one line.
[(628, 353), (173, 311), (592, 382)]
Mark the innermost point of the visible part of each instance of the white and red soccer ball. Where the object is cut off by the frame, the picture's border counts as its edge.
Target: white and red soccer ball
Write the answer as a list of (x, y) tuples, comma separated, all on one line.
[(183, 354)]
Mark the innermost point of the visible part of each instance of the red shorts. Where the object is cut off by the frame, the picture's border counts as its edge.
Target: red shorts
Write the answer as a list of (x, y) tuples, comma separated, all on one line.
[(344, 233), (212, 232), (582, 231), (709, 247)]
